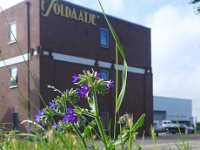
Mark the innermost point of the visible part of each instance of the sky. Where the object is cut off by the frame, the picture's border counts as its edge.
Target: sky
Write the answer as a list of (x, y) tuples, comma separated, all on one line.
[(175, 37)]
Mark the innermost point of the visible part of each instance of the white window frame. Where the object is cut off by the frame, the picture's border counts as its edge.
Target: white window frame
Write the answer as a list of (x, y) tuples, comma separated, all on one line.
[(13, 80), (107, 42), (12, 34)]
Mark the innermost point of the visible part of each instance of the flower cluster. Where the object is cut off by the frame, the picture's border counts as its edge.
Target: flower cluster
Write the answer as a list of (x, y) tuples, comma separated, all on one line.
[(75, 78), (98, 75), (52, 105), (110, 84), (39, 115), (88, 83), (64, 115), (70, 116), (83, 91)]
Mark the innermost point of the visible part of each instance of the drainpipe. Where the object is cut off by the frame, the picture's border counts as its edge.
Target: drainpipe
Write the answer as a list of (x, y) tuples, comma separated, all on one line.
[(28, 51)]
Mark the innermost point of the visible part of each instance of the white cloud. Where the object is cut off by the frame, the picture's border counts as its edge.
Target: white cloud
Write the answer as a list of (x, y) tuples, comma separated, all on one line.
[(176, 53)]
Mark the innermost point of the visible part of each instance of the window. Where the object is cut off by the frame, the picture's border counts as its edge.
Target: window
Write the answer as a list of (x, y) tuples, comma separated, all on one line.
[(104, 74), (13, 77), (104, 41), (12, 32)]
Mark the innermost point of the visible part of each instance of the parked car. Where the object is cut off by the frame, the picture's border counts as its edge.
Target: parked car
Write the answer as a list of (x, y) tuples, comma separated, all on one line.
[(157, 127), (169, 127), (191, 129), (165, 126), (183, 128), (186, 129)]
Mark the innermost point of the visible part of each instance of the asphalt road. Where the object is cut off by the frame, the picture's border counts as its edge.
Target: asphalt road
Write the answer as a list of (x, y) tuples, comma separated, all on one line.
[(170, 142)]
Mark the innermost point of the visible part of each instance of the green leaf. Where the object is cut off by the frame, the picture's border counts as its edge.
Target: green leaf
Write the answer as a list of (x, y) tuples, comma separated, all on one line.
[(123, 90), (62, 139), (89, 128), (119, 45), (125, 66), (127, 134), (138, 124), (121, 139), (139, 147)]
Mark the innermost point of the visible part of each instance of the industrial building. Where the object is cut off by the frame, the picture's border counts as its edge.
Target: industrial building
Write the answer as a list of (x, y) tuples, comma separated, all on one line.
[(55, 39), (174, 109)]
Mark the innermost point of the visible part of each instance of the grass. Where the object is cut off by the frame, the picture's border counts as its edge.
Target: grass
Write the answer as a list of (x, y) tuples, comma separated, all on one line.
[(54, 140)]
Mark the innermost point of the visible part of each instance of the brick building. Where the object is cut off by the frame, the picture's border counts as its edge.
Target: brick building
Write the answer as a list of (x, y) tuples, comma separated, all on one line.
[(56, 39)]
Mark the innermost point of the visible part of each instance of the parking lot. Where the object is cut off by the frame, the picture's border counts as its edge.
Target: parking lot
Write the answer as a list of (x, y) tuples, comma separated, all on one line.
[(170, 142)]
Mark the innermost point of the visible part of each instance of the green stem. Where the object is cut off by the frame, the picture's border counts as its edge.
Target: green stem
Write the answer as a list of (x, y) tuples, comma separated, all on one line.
[(99, 123), (130, 142), (80, 136), (96, 104), (181, 137), (116, 88)]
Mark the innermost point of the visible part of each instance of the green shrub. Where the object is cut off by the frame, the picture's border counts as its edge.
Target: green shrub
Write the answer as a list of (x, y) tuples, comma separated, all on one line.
[(198, 126)]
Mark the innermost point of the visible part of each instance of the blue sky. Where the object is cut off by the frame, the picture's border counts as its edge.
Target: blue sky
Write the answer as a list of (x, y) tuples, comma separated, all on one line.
[(175, 36)]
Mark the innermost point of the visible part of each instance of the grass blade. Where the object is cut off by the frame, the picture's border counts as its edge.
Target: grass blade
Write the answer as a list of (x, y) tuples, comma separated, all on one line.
[(125, 66)]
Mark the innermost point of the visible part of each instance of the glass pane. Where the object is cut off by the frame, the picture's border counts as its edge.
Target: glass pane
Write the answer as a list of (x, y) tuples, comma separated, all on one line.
[(104, 74), (103, 38), (13, 32), (13, 76)]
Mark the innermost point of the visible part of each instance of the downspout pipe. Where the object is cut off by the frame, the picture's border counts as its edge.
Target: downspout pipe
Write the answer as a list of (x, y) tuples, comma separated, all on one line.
[(27, 2)]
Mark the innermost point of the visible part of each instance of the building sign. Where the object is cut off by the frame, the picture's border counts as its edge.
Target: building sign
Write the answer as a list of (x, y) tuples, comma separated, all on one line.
[(68, 12)]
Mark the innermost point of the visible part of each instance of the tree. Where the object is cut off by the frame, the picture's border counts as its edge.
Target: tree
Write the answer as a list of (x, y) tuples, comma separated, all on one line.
[(195, 2)]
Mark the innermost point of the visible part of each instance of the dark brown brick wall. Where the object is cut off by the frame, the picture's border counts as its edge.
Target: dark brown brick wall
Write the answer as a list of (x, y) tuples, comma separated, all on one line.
[(66, 36)]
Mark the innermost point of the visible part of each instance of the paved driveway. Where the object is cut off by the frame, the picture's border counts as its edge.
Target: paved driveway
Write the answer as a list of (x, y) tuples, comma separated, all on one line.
[(170, 142)]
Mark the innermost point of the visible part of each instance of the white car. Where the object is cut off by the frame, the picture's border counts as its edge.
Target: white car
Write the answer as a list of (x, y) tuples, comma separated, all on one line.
[(169, 127), (157, 127)]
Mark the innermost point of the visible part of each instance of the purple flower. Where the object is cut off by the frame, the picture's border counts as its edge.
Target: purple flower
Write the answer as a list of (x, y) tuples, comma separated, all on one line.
[(55, 125), (69, 116), (110, 84), (39, 115), (75, 78), (52, 105), (70, 111), (98, 75), (83, 91)]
